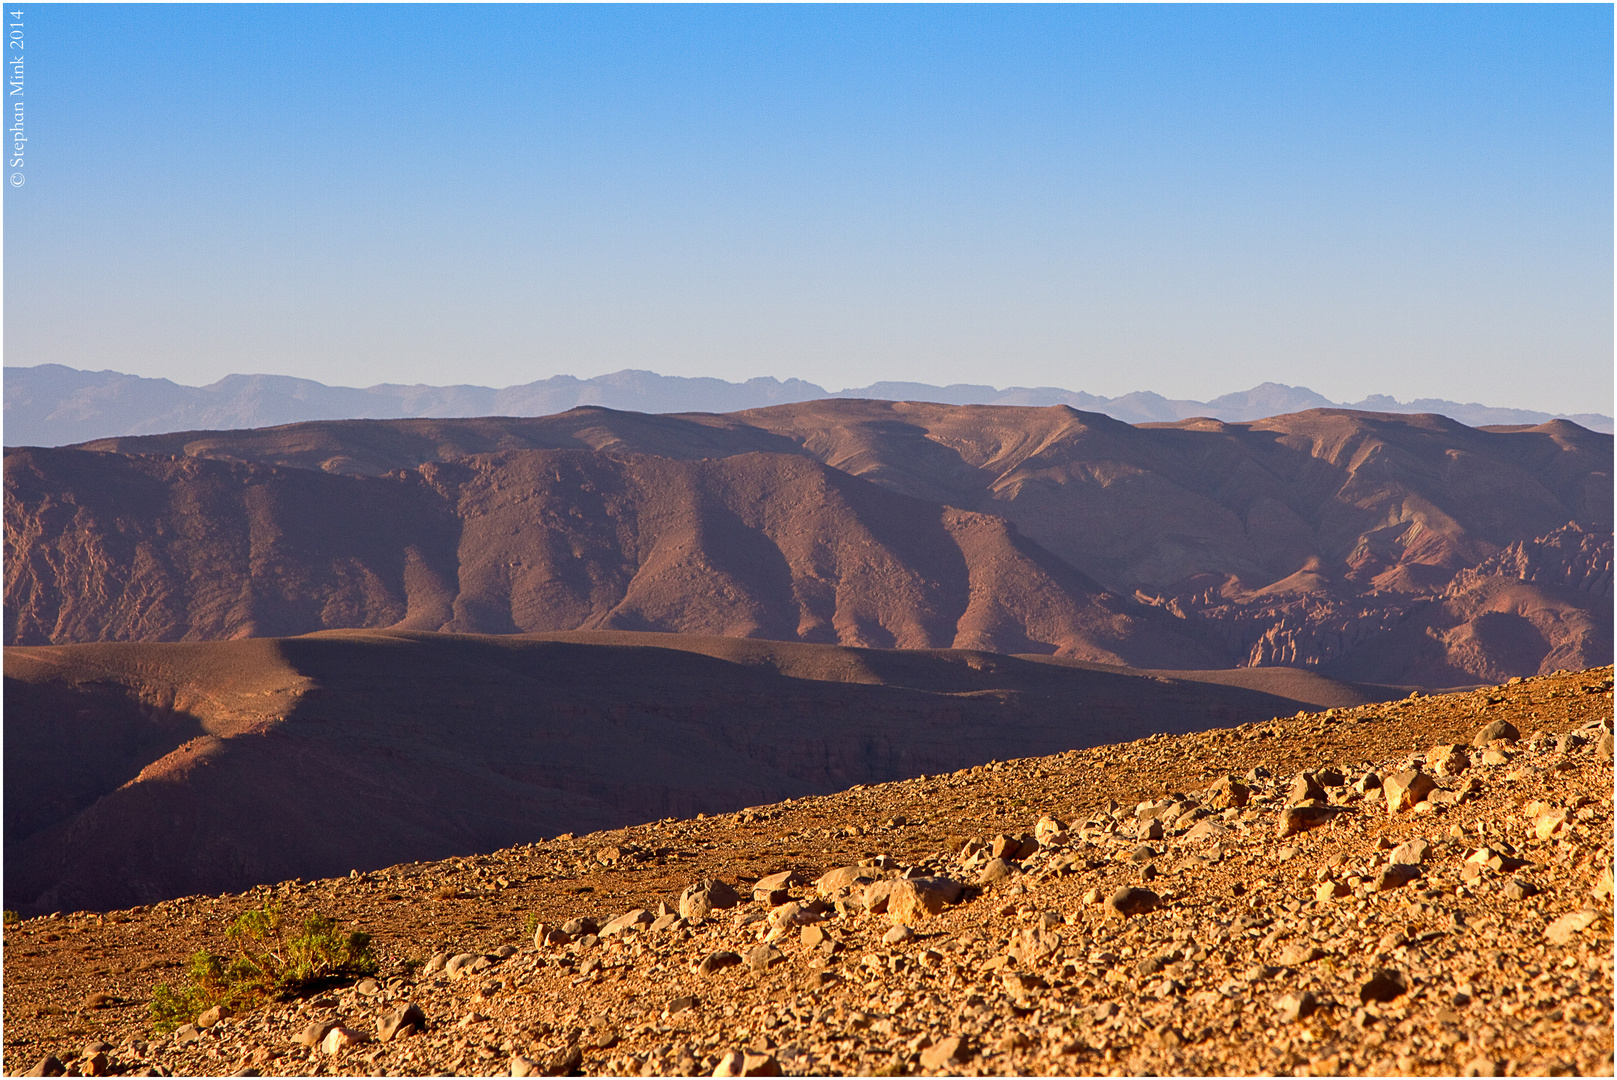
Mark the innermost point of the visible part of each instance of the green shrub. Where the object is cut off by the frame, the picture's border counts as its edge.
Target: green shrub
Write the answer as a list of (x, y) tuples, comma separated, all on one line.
[(270, 964), (207, 986), (12, 918), (283, 966)]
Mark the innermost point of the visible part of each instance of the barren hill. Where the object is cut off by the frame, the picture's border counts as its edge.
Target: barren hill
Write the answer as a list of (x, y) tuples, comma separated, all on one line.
[(135, 772), (1420, 887), (1406, 549), (123, 547)]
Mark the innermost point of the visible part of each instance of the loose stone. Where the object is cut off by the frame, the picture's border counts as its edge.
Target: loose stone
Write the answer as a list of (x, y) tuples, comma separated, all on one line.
[(1130, 901)]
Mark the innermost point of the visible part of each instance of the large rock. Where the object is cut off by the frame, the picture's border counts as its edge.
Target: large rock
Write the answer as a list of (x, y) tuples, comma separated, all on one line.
[(629, 920), (843, 877), (945, 1052), (1410, 852), (878, 893), (1403, 790), (701, 898), (785, 879), (1499, 729), (339, 1039), (1331, 890), (1228, 792), (763, 955), (717, 961), (995, 870), (1013, 848), (747, 1063), (1296, 1006), (914, 899), (1448, 760), (1551, 822), (315, 1032), (1396, 876), (1050, 831), (1305, 789), (1563, 930), (405, 1019), (1298, 955), (1207, 829), (463, 964)]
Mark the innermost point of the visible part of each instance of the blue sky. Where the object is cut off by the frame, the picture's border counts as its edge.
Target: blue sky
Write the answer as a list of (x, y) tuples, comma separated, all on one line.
[(1370, 199)]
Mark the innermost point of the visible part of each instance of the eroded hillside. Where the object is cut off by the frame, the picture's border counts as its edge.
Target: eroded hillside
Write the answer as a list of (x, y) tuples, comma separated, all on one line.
[(1393, 549)]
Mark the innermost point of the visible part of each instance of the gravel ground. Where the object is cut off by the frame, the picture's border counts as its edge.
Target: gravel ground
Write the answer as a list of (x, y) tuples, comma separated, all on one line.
[(1122, 913)]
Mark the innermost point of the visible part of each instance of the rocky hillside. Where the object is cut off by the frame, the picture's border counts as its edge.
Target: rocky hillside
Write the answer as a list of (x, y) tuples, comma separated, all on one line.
[(1420, 887), (1391, 549), (135, 773), (777, 546)]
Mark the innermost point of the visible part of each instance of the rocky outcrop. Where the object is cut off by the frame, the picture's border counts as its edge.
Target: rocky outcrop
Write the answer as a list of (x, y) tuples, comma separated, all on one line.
[(1574, 557), (1534, 607)]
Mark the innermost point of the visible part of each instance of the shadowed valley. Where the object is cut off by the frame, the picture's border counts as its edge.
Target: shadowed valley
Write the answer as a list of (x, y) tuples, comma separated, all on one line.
[(141, 771)]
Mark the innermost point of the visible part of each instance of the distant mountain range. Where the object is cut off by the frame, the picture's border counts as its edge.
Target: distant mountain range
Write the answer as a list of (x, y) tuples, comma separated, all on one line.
[(53, 405)]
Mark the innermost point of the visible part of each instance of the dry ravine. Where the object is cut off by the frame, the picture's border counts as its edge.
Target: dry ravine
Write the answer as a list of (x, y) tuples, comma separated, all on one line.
[(1419, 887)]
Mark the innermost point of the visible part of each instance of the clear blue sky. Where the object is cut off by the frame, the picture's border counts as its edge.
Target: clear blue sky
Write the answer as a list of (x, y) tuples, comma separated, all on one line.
[(1369, 199)]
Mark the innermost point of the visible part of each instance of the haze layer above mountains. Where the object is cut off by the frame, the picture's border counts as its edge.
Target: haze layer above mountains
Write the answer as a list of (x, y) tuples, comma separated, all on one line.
[(1374, 548), (52, 405)]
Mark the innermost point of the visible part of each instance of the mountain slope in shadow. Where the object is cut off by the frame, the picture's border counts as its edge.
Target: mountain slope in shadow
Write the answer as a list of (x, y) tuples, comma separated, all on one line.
[(140, 771)]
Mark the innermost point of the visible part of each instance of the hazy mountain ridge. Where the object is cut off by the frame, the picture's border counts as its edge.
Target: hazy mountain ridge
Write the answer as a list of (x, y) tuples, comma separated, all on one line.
[(53, 405)]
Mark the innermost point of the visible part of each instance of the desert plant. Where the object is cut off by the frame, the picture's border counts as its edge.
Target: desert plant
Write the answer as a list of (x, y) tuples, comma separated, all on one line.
[(284, 965), (206, 986), (271, 963), (12, 917)]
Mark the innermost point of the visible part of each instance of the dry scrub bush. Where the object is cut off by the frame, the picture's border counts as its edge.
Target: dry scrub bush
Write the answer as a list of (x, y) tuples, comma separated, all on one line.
[(268, 965)]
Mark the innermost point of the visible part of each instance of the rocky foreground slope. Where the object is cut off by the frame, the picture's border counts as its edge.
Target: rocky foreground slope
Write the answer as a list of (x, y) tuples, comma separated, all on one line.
[(1420, 887)]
